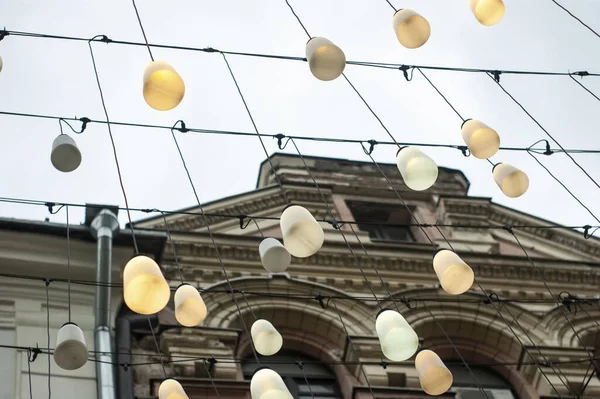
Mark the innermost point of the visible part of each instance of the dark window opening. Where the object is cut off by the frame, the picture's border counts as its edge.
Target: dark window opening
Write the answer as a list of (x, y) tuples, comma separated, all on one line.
[(466, 387), (383, 222)]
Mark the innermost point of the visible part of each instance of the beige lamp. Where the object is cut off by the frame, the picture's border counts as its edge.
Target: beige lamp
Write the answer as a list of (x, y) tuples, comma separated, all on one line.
[(397, 338), (456, 277), (65, 155), (163, 87), (145, 289), (411, 28), (267, 340), (326, 60), (70, 352), (434, 376), (1, 64), (512, 181), (267, 384), (418, 170), (302, 234), (171, 389), (487, 12), (482, 140), (190, 309), (274, 257)]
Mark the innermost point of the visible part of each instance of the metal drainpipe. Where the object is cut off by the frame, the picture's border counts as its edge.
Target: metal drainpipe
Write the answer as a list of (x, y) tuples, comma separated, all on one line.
[(104, 226)]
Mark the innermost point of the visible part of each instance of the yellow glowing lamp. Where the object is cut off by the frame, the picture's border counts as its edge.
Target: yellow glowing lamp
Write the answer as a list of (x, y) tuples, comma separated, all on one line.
[(163, 87)]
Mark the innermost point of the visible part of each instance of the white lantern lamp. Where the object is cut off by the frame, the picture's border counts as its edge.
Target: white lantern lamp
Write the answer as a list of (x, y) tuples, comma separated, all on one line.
[(397, 338), (325, 60), (163, 87), (145, 289), (265, 337), (512, 181), (1, 64), (171, 389), (456, 277), (190, 309), (302, 235), (411, 28), (482, 140), (434, 376), (70, 351), (418, 170), (65, 155), (274, 257), (267, 384), (487, 12)]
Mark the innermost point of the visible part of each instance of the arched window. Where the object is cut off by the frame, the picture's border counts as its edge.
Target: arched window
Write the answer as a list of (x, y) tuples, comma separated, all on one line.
[(321, 380), (495, 386)]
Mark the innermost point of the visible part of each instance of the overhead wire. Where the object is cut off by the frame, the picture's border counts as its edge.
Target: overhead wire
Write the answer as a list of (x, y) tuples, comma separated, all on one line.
[(576, 18)]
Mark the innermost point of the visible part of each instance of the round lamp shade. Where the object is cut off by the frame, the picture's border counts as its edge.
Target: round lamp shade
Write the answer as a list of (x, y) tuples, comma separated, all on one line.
[(511, 180), (456, 277), (434, 376), (273, 255), (267, 340), (302, 234), (267, 384), (412, 29), (487, 12), (70, 352), (326, 60), (418, 170), (397, 338), (190, 309), (482, 140), (145, 289), (171, 389), (65, 155), (163, 87)]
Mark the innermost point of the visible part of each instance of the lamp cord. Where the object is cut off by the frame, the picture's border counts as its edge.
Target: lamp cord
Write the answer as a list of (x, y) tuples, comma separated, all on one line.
[(68, 262), (298, 18), (137, 14), (172, 247)]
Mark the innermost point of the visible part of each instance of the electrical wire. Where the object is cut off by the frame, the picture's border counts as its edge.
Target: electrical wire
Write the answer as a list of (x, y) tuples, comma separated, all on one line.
[(47, 284), (576, 18), (68, 262), (584, 88), (441, 95), (173, 250), (137, 14)]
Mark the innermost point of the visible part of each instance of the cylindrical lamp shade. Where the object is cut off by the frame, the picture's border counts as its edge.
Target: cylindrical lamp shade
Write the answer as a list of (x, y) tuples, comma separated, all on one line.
[(326, 60), (274, 257), (163, 87), (434, 376), (70, 352), (411, 28), (65, 155), (418, 170), (190, 309), (267, 384), (145, 289), (482, 140), (302, 234), (267, 340), (512, 181), (1, 64), (397, 338), (171, 389), (456, 277), (487, 12)]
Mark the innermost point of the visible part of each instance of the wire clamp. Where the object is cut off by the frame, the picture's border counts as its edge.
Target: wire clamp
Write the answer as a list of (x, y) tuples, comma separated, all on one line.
[(300, 364), (496, 75), (84, 122), (280, 143), (32, 353), (493, 297), (405, 69), (183, 128), (406, 302), (372, 144), (508, 228), (125, 366), (242, 220), (465, 150), (322, 302), (586, 231), (383, 364), (211, 50), (3, 34), (578, 73)]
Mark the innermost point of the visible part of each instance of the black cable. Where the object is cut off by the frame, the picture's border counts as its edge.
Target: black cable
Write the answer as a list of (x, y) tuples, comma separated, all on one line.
[(158, 351), (137, 14), (29, 373), (69, 262), (391, 5), (440, 93), (298, 19), (47, 283), (170, 239), (211, 379), (576, 18), (585, 88), (112, 141)]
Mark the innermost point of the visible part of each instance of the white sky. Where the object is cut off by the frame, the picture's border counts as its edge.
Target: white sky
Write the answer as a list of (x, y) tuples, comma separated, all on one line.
[(56, 78)]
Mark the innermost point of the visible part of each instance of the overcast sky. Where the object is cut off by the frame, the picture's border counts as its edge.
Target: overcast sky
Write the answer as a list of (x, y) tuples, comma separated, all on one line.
[(56, 78)]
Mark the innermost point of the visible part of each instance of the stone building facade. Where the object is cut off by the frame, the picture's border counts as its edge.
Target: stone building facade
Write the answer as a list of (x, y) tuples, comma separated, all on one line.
[(341, 358)]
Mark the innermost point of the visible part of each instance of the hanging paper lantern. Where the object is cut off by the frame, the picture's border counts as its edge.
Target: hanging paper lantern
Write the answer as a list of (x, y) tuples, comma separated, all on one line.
[(418, 170), (163, 87), (482, 140), (70, 352), (267, 384), (145, 289), (190, 309), (326, 60), (456, 277), (511, 180), (397, 338), (487, 12), (171, 389), (65, 155), (267, 340), (302, 234), (273, 255), (411, 28), (434, 376)]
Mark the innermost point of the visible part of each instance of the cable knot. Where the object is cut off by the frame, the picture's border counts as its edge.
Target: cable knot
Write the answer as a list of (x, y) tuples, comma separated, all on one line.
[(497, 75), (32, 353), (407, 302), (280, 143), (211, 50), (405, 69), (183, 128), (322, 302), (47, 281), (3, 34), (567, 300), (586, 231), (212, 361), (465, 150), (242, 220), (578, 73), (84, 122), (101, 38), (493, 297), (372, 144), (508, 228), (383, 364)]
